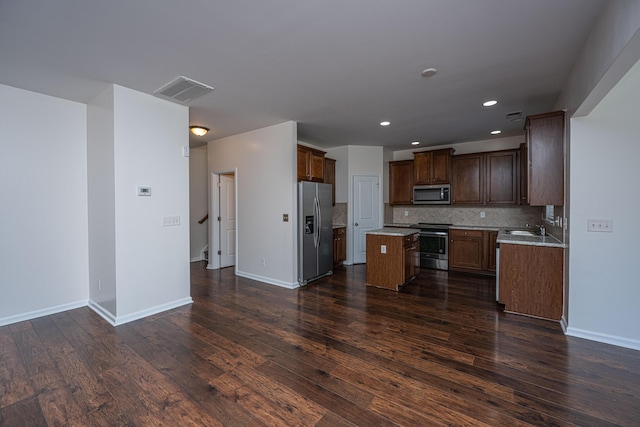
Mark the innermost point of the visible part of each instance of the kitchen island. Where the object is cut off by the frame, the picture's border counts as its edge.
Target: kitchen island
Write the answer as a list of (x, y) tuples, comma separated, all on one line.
[(393, 257)]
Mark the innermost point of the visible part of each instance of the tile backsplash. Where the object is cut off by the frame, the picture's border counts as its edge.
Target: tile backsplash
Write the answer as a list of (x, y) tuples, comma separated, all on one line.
[(517, 216), (340, 213)]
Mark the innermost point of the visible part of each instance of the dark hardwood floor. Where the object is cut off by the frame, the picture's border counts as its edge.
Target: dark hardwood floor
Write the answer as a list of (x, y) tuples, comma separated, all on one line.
[(334, 353)]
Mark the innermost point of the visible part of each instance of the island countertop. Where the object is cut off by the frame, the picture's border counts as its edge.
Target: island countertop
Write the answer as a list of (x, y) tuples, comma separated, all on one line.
[(394, 231)]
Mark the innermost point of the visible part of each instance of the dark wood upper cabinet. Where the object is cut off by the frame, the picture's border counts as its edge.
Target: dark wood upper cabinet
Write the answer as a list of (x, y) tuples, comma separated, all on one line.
[(401, 182), (485, 178), (501, 186), (310, 164), (523, 174), (467, 179), (330, 176), (545, 149), (432, 167)]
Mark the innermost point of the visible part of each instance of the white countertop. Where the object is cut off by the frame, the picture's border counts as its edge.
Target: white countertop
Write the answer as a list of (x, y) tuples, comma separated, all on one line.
[(394, 231)]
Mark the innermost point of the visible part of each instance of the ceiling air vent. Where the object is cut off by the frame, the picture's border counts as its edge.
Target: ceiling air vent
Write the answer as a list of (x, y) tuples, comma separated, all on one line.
[(182, 90), (515, 116)]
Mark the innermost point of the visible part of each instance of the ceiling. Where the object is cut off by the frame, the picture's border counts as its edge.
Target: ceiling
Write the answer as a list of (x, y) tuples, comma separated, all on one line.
[(336, 67)]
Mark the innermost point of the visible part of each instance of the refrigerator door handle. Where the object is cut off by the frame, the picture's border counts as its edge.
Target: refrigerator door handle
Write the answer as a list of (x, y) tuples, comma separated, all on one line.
[(319, 222), (316, 207)]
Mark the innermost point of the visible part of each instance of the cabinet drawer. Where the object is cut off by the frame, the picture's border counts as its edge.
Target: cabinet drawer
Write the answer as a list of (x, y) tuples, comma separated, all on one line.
[(465, 233), (338, 232), (410, 239)]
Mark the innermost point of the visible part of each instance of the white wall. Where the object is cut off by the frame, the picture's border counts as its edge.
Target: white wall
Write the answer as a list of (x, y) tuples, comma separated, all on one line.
[(605, 291), (43, 205), (198, 201), (362, 160), (265, 165), (151, 261)]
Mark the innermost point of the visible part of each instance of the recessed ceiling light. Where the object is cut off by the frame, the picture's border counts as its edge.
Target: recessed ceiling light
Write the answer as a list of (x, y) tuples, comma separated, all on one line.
[(385, 123), (490, 103), (415, 143), (496, 132), (428, 72)]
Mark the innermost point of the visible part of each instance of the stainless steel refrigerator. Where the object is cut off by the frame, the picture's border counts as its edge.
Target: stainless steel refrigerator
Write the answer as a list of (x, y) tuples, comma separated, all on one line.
[(315, 233)]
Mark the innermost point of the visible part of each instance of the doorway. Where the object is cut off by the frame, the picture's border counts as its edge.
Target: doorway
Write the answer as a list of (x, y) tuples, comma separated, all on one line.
[(366, 213), (223, 224)]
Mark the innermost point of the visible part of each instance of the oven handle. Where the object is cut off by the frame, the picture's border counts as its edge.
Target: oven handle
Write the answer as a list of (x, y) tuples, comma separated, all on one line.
[(433, 233)]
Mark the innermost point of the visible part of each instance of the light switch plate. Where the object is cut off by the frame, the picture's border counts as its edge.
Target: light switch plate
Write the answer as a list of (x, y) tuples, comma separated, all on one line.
[(383, 249)]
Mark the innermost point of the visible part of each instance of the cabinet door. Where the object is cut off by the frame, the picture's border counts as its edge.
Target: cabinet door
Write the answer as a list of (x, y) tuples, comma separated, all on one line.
[(466, 249), (501, 178), (304, 163), (422, 168), (317, 167), (545, 140), (467, 179), (523, 174), (492, 236), (440, 166), (330, 176), (401, 182)]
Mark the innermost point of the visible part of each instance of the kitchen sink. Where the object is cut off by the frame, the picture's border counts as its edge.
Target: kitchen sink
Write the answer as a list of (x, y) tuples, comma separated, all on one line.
[(522, 233)]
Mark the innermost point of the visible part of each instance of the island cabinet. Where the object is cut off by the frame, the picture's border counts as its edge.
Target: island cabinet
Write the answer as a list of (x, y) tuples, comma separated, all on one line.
[(472, 251), (330, 177), (401, 182), (545, 153), (485, 178), (339, 245), (432, 167), (392, 260), (531, 280), (310, 164)]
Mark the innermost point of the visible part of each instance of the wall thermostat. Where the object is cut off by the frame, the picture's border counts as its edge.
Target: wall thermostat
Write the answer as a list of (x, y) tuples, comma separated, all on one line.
[(144, 191)]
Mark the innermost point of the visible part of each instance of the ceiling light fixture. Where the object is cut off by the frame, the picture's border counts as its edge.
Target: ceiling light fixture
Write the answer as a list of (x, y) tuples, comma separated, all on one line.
[(415, 143), (385, 123), (428, 72), (198, 130), (496, 132), (490, 103)]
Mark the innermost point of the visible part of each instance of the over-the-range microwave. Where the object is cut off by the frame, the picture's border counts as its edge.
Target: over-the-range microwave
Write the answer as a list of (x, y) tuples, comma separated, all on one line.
[(432, 194)]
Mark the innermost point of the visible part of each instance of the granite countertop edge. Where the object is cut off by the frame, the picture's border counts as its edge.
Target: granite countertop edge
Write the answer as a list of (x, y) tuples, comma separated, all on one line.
[(394, 231), (547, 241)]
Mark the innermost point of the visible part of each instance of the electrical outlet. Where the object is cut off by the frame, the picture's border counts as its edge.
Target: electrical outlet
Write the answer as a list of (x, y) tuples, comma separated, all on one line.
[(170, 221), (285, 217), (99, 285), (383, 249), (600, 225), (406, 213), (482, 214), (263, 262)]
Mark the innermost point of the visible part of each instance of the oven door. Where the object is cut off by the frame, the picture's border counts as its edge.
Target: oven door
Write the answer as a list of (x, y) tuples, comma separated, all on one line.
[(434, 248)]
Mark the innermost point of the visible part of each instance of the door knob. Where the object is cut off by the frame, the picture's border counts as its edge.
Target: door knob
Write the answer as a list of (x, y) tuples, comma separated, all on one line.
[(356, 224)]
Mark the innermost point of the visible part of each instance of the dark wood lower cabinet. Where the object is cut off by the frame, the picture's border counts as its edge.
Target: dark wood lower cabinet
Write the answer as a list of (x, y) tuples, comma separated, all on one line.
[(531, 280), (339, 245), (472, 250)]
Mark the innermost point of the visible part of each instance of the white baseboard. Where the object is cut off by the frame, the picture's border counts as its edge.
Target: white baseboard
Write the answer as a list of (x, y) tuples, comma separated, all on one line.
[(563, 324), (196, 259), (39, 313), (268, 280), (604, 338), (121, 320)]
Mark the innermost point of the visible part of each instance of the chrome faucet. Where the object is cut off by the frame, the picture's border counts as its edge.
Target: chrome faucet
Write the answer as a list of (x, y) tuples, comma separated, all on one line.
[(543, 230)]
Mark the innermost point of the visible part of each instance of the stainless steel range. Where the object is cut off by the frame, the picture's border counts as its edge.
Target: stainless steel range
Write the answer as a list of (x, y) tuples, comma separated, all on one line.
[(434, 245)]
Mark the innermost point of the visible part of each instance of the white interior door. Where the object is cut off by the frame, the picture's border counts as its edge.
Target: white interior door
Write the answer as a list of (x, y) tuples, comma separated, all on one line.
[(227, 220), (366, 213)]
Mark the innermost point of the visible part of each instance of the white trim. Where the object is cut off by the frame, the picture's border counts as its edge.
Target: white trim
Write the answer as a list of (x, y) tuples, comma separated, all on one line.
[(563, 324), (268, 280), (121, 320), (40, 313), (198, 258), (604, 338)]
